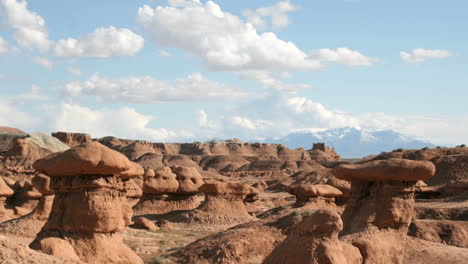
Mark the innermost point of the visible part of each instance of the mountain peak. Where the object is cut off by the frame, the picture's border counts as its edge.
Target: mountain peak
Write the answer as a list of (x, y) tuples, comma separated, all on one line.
[(351, 142)]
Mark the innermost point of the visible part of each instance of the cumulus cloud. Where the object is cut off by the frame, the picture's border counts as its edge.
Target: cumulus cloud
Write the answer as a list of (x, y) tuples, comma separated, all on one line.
[(421, 55), (245, 122), (12, 117), (223, 41), (203, 121), (102, 43), (194, 87), (277, 13), (344, 56), (29, 28), (123, 122), (268, 81), (44, 62)]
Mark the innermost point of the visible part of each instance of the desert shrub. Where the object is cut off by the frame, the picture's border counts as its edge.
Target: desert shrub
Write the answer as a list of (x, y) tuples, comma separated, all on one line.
[(398, 150)]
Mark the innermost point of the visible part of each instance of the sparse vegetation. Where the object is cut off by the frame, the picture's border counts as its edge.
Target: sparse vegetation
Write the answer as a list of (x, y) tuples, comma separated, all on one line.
[(461, 146), (425, 148), (157, 260), (398, 150)]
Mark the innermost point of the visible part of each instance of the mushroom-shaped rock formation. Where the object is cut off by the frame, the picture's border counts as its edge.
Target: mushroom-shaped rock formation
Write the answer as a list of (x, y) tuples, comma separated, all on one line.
[(168, 189), (380, 208), (224, 204), (90, 207), (318, 195), (315, 241), (5, 191), (29, 225)]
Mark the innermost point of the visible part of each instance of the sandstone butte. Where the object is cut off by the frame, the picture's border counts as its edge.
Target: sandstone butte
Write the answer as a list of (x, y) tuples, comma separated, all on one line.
[(90, 207)]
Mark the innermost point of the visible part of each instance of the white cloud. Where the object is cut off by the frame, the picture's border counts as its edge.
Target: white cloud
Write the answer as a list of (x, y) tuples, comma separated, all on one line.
[(123, 122), (194, 87), (245, 122), (222, 40), (44, 62), (344, 56), (277, 13), (29, 28), (421, 55), (267, 80), (12, 117), (203, 122), (164, 53), (74, 70), (102, 43)]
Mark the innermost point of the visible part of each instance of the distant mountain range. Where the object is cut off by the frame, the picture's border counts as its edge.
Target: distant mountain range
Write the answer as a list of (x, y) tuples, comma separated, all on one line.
[(351, 142)]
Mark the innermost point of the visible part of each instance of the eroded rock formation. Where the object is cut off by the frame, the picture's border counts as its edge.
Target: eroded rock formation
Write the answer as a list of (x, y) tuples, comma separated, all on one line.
[(380, 208), (90, 207), (319, 195), (315, 241), (168, 189), (224, 204)]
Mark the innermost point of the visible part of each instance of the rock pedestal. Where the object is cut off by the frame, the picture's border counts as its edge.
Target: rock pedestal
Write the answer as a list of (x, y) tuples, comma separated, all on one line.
[(90, 207), (315, 241), (319, 195), (379, 211)]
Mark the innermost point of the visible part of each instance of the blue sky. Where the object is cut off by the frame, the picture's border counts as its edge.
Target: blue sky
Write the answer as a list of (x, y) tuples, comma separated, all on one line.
[(182, 70)]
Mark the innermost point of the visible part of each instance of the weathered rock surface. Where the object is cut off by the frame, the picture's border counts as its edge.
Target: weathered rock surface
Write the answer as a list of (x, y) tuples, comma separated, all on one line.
[(72, 139), (319, 195), (380, 208), (90, 207), (315, 240)]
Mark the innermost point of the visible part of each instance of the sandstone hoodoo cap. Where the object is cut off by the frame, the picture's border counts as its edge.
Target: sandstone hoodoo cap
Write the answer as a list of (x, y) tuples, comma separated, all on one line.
[(318, 190), (386, 170), (91, 158)]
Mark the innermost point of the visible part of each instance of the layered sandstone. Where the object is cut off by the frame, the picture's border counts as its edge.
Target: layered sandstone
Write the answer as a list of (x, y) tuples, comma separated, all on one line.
[(29, 225), (224, 204), (381, 205), (315, 241), (90, 207), (319, 195), (169, 189)]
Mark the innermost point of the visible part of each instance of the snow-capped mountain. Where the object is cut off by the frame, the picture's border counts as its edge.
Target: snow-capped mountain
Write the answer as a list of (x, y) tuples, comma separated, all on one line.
[(351, 142)]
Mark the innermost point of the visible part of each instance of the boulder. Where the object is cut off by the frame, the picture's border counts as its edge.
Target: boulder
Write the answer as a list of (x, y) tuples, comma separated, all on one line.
[(319, 194)]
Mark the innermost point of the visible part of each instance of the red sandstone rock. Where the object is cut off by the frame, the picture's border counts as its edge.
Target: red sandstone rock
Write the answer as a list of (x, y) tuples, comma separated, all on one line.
[(386, 170), (145, 224), (315, 241), (90, 158), (90, 208)]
